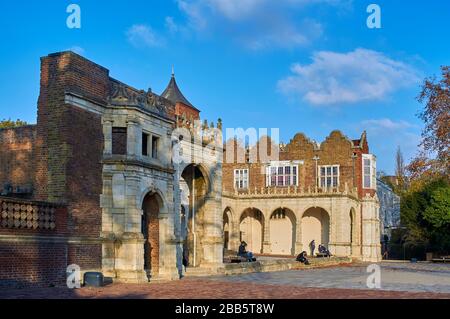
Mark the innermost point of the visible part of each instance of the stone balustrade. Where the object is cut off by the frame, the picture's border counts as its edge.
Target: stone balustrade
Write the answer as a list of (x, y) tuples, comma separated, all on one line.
[(267, 192)]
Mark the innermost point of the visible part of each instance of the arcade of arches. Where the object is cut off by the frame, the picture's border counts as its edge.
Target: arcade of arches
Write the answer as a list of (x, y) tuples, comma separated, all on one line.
[(288, 230)]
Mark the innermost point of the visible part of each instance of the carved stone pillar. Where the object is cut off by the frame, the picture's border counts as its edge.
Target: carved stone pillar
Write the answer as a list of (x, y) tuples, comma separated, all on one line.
[(267, 246), (107, 133)]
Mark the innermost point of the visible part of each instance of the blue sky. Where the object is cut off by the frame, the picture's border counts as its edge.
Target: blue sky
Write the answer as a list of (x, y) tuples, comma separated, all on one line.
[(307, 66)]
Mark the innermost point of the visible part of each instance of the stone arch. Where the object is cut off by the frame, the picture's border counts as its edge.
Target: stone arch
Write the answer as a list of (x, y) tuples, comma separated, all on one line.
[(152, 206), (161, 198), (228, 227), (283, 223), (196, 178), (204, 172), (251, 227), (315, 226)]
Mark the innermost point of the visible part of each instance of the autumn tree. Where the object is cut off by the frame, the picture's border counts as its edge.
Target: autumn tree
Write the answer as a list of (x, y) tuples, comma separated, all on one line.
[(434, 158), (425, 206), (12, 124)]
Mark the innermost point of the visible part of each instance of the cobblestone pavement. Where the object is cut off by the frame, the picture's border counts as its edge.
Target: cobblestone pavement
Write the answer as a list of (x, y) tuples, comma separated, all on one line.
[(395, 276), (398, 281)]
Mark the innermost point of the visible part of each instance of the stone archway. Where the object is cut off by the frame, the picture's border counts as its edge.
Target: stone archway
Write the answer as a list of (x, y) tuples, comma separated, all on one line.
[(226, 229), (283, 232), (151, 207), (315, 226), (251, 228), (197, 187)]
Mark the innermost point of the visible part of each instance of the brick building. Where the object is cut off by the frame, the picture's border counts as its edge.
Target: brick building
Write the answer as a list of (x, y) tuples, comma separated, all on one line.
[(323, 192), (126, 182), (94, 183)]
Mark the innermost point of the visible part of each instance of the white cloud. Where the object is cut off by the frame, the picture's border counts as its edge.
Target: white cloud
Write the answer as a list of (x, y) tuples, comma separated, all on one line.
[(357, 76), (171, 25), (141, 35), (77, 49), (256, 24), (387, 124)]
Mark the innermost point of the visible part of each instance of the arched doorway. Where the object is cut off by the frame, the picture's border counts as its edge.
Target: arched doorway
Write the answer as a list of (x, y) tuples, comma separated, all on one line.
[(197, 188), (315, 226), (151, 208), (282, 232), (251, 228), (226, 230)]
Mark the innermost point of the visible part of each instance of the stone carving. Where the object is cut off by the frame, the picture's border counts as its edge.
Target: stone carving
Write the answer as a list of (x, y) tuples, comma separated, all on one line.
[(124, 95)]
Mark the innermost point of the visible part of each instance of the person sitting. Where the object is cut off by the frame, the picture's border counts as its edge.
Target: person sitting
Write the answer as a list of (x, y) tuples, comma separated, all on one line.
[(244, 253), (323, 250), (302, 258)]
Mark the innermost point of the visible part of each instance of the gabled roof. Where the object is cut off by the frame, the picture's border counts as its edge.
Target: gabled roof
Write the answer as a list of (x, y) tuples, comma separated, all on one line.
[(173, 93)]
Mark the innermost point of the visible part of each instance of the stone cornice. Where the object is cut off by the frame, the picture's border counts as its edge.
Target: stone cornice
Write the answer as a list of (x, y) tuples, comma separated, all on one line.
[(113, 160)]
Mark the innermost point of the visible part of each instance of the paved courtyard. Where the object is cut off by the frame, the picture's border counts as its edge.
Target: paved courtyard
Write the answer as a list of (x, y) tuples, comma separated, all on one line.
[(398, 280)]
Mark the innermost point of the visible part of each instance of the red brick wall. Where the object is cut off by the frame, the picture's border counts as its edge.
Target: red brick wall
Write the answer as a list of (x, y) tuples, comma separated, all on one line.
[(68, 152), (151, 210), (61, 73), (16, 156), (84, 138), (32, 264), (35, 257), (87, 256), (335, 150), (70, 139)]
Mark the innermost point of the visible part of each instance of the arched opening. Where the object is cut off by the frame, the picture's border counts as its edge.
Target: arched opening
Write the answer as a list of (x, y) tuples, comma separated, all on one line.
[(151, 207), (315, 226), (226, 230), (251, 228), (194, 187), (282, 232)]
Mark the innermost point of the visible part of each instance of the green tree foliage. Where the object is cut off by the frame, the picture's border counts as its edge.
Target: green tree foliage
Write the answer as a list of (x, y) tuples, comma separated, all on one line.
[(425, 204), (426, 214), (12, 124)]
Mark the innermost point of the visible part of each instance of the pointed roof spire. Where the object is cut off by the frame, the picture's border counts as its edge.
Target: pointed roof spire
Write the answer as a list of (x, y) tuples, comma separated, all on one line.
[(173, 93)]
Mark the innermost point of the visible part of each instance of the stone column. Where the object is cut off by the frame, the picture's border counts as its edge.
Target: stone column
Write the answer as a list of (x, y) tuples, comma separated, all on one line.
[(371, 247), (267, 246), (298, 237), (130, 252), (107, 133), (133, 139), (167, 247), (234, 233)]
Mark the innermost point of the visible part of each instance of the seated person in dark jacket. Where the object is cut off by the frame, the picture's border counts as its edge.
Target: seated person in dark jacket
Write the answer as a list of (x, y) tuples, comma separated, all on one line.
[(244, 253), (302, 258), (324, 250)]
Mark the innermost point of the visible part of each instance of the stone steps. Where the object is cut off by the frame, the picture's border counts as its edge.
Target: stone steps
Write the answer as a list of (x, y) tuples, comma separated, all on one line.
[(267, 266)]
